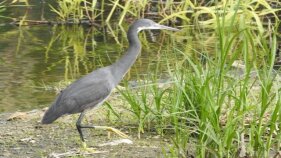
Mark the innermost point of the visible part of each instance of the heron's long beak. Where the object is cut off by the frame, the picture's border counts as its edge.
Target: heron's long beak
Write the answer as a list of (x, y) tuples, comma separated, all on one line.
[(166, 27)]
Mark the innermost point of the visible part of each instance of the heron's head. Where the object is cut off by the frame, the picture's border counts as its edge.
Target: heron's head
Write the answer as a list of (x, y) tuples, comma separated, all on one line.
[(147, 24)]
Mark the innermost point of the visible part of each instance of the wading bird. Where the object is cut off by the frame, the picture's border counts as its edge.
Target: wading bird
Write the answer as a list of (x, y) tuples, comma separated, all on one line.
[(93, 89)]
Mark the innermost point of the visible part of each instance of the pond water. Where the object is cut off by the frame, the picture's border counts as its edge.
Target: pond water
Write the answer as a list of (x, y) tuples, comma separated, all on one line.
[(35, 60)]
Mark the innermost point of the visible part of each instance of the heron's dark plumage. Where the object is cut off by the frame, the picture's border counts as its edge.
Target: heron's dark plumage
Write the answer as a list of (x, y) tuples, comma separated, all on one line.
[(87, 92)]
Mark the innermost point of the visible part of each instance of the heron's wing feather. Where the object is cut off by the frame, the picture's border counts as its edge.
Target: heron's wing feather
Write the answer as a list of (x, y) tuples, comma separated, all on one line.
[(85, 93)]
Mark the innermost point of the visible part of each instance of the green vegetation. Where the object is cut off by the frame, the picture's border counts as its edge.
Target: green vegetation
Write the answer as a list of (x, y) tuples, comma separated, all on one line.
[(222, 110), (2, 8), (209, 103), (228, 112), (222, 97), (75, 9)]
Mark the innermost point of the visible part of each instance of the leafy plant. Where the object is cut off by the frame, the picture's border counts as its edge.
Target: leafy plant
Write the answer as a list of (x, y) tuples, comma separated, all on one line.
[(76, 10)]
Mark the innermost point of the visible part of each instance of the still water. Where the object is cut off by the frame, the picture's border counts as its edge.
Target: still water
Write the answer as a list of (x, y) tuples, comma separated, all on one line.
[(36, 60)]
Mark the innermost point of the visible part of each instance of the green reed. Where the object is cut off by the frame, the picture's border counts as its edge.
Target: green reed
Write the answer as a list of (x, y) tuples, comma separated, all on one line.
[(76, 10), (2, 6), (214, 106), (203, 13), (224, 112)]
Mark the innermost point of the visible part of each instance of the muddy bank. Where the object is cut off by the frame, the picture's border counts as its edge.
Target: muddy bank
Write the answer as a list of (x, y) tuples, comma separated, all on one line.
[(22, 135)]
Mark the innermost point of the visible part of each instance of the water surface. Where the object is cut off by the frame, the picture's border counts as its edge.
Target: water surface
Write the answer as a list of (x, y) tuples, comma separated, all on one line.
[(35, 60)]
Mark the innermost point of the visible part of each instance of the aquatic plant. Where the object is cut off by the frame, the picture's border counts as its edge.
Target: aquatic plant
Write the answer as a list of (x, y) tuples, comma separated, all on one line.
[(206, 14), (215, 106), (2, 8), (75, 10)]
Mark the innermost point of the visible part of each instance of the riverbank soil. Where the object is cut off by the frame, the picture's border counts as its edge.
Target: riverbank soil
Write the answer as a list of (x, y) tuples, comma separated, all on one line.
[(22, 135)]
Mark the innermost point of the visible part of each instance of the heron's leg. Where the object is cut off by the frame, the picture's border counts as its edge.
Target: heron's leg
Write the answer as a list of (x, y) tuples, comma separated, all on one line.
[(79, 126)]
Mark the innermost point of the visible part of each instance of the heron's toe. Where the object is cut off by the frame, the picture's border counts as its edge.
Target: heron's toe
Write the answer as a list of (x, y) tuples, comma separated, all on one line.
[(121, 134)]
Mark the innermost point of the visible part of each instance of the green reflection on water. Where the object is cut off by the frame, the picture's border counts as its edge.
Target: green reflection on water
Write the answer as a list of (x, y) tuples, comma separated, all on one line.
[(36, 60)]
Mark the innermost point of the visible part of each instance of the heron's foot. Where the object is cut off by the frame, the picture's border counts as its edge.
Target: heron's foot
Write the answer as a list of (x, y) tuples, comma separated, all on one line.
[(84, 145), (87, 149), (110, 129)]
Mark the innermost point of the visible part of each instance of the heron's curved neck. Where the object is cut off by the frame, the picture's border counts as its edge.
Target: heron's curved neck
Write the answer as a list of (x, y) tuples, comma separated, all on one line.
[(121, 66)]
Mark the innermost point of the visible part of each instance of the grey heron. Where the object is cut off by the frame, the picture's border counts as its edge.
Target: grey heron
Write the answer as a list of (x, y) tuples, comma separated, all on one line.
[(93, 89)]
